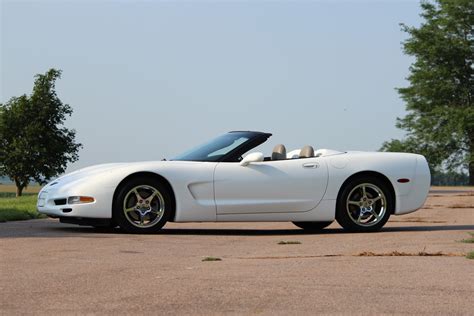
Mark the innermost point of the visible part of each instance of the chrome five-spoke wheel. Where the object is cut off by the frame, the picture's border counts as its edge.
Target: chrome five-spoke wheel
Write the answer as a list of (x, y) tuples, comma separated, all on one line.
[(143, 206), (364, 204)]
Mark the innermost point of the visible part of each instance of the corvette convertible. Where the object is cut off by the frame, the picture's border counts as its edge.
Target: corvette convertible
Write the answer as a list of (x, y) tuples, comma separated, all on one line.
[(222, 181)]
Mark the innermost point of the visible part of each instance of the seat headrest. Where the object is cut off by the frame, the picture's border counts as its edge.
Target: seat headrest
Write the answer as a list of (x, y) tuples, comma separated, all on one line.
[(307, 152), (279, 152)]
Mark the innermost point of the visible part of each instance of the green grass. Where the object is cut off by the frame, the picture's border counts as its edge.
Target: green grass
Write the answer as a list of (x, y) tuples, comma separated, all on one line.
[(290, 242), (15, 209), (12, 195), (211, 259), (469, 240), (470, 255)]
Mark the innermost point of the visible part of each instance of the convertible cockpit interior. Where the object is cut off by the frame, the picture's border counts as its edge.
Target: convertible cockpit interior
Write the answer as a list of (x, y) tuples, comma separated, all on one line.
[(279, 153)]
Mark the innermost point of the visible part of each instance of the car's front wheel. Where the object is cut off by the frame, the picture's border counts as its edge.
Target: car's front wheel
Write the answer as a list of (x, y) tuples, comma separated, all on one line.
[(364, 205), (142, 205)]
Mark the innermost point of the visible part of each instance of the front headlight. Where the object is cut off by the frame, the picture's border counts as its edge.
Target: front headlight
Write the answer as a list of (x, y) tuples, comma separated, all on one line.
[(80, 199)]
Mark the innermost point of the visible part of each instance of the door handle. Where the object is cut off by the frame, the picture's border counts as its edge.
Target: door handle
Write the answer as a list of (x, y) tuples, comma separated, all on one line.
[(311, 165)]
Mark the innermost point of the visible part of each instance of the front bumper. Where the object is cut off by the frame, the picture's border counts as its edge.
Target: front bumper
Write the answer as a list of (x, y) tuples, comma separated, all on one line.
[(100, 208)]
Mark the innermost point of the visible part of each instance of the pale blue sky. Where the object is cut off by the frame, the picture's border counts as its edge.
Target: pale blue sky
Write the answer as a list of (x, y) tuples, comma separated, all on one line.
[(150, 79)]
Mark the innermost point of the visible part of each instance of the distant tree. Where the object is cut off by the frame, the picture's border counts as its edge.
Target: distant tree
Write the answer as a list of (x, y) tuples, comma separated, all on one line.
[(439, 99), (34, 144), (449, 178)]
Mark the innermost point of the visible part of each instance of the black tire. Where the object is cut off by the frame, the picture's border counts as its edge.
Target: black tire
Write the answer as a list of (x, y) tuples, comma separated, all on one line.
[(378, 197), (312, 226), (162, 200)]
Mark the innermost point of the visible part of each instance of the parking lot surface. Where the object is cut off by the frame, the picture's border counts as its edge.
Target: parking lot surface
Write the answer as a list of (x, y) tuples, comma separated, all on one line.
[(416, 264)]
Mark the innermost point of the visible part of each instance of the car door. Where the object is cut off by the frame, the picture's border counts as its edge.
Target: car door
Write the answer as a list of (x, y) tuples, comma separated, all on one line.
[(294, 185)]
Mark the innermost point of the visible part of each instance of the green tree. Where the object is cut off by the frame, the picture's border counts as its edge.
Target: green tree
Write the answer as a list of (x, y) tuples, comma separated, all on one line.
[(34, 144), (439, 99)]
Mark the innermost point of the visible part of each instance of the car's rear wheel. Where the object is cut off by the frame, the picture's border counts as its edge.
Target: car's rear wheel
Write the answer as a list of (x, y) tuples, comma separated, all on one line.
[(312, 226), (364, 205), (142, 205)]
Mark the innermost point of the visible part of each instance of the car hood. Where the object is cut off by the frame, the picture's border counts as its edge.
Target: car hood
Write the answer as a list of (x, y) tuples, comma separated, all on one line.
[(88, 171), (114, 171)]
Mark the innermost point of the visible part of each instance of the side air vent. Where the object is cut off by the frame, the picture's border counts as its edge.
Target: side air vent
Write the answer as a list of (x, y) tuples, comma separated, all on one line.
[(60, 202)]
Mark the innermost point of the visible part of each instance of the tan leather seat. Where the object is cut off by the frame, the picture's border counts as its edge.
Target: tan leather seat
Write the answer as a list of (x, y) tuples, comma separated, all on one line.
[(279, 152), (307, 152)]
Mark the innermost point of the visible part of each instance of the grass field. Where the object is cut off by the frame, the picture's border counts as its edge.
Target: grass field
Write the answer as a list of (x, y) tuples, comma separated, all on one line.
[(14, 209), (10, 188), (457, 188)]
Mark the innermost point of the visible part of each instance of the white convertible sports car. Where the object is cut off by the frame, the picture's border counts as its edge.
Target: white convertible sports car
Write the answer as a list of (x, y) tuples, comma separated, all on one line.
[(215, 182)]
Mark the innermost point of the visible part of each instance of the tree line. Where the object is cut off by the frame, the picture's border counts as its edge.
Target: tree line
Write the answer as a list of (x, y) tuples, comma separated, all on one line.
[(439, 98)]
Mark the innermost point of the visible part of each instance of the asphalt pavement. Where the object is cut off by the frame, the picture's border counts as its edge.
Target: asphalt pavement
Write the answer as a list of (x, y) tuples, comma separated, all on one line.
[(416, 265)]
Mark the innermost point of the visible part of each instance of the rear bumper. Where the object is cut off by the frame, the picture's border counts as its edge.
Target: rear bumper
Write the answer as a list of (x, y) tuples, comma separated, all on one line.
[(419, 190)]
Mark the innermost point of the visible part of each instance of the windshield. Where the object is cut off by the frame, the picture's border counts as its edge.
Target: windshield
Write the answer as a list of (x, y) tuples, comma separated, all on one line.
[(216, 148)]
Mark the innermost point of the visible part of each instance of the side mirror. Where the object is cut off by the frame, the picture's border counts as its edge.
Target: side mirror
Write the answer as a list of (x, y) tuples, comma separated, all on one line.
[(253, 157)]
